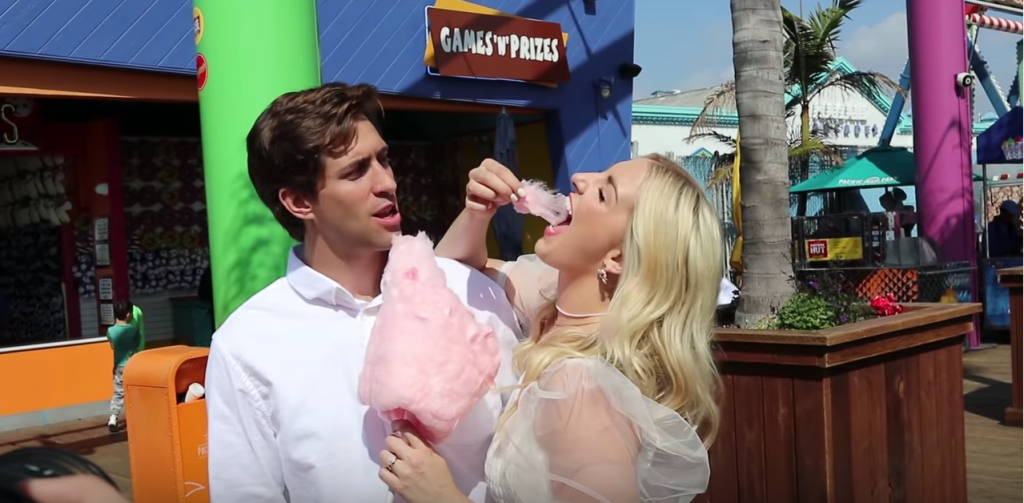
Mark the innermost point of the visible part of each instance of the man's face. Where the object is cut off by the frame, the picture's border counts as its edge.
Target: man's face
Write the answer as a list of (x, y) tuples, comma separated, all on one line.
[(355, 207)]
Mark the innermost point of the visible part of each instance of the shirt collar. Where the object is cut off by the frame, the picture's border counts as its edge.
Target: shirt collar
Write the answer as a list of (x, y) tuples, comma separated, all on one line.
[(313, 286)]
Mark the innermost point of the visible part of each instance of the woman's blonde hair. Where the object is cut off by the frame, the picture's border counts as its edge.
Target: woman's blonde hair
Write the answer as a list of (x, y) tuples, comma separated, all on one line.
[(661, 317)]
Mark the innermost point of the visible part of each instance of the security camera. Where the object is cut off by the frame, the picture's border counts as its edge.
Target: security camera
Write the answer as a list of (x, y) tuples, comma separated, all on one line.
[(629, 70), (964, 80)]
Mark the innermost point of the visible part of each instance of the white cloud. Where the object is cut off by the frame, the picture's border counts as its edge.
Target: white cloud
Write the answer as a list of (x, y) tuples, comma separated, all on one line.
[(882, 47), (879, 47)]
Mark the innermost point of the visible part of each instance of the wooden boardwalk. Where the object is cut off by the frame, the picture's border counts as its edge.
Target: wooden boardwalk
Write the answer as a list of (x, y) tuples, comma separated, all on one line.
[(994, 465), (994, 451)]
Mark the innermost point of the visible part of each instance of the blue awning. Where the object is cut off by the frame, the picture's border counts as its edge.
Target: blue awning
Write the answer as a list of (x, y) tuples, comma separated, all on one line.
[(1001, 142)]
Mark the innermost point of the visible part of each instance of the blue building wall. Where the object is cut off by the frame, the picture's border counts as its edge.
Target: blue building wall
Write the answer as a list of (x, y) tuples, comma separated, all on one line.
[(136, 34), (381, 42)]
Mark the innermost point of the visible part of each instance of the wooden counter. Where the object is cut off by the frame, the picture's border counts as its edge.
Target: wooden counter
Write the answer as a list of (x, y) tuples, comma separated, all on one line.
[(1011, 279), (868, 412)]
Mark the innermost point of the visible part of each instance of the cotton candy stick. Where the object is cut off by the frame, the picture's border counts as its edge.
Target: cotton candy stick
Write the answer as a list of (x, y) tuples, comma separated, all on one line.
[(542, 202)]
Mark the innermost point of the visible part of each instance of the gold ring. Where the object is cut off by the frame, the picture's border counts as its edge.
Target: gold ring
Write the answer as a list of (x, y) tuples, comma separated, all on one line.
[(391, 462)]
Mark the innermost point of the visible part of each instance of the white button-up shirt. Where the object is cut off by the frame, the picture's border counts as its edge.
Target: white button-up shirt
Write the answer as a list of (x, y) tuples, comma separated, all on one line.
[(285, 422)]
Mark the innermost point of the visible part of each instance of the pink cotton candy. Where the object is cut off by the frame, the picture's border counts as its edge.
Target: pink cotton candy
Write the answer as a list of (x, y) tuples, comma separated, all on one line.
[(542, 202), (428, 360)]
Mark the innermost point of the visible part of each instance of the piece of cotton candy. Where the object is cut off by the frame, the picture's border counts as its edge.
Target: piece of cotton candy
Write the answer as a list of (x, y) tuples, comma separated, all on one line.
[(428, 360), (542, 202)]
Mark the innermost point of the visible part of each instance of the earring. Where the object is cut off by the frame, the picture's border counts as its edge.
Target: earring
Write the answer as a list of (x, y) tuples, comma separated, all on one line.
[(603, 276)]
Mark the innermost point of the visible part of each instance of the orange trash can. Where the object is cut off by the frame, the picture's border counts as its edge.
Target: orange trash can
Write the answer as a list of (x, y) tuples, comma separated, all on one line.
[(166, 437)]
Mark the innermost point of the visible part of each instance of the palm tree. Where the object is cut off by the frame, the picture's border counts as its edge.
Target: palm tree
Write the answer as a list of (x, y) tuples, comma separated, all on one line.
[(758, 56), (810, 54)]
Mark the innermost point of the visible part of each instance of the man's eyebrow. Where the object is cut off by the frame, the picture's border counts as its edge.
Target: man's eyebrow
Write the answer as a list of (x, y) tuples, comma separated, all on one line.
[(353, 164)]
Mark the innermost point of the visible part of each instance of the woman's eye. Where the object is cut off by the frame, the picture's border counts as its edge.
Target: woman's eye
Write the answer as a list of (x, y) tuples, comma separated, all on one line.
[(600, 195)]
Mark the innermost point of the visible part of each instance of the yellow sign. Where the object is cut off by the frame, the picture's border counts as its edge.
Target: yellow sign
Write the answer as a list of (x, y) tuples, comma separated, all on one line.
[(198, 25), (819, 250)]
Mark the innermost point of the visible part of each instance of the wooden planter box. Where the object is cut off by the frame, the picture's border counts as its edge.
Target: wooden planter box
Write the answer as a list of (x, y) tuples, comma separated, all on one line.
[(867, 412), (1013, 279)]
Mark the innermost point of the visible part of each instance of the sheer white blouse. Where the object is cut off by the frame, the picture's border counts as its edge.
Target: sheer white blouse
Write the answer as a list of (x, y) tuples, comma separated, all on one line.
[(583, 433)]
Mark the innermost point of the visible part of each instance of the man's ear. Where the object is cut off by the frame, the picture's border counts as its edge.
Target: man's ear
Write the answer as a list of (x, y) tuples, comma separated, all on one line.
[(296, 204), (612, 263)]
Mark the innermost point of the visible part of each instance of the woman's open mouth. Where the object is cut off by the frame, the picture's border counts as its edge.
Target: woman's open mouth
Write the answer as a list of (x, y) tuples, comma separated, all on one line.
[(553, 230)]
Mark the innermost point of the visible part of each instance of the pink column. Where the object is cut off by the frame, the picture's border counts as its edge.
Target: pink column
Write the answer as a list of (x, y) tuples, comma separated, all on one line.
[(942, 127)]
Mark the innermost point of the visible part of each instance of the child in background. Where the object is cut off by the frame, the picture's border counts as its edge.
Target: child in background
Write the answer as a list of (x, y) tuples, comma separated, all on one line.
[(124, 339)]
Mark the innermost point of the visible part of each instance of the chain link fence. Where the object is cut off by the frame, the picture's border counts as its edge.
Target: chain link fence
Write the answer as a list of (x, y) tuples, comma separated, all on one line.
[(702, 167)]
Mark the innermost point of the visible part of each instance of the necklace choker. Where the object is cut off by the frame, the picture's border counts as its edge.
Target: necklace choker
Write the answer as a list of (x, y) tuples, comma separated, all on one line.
[(577, 316)]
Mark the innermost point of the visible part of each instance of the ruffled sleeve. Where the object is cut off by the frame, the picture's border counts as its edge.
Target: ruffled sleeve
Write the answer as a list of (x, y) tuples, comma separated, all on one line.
[(591, 436), (529, 284)]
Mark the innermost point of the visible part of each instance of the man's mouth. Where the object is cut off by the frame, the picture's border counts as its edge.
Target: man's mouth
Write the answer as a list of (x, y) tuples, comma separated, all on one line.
[(388, 216), (388, 210)]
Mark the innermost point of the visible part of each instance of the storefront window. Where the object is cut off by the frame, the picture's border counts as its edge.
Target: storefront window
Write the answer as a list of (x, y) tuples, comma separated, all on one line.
[(165, 214), (31, 213)]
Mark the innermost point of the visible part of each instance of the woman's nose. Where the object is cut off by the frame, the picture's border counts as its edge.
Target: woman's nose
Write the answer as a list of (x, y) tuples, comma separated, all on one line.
[(579, 181)]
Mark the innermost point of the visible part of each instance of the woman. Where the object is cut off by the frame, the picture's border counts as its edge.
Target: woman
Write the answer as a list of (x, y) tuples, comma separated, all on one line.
[(618, 364)]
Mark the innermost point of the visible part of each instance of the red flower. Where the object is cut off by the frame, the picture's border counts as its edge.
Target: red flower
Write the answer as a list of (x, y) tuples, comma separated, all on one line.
[(885, 305)]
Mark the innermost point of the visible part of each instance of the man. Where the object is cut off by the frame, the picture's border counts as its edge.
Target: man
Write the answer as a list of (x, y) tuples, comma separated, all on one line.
[(285, 423)]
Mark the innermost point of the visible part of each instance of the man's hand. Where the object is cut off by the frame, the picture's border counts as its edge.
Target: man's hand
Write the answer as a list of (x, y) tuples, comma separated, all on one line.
[(72, 489)]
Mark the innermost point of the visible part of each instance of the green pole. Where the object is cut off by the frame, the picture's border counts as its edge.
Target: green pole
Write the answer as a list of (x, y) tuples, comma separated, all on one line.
[(249, 52), (1020, 73)]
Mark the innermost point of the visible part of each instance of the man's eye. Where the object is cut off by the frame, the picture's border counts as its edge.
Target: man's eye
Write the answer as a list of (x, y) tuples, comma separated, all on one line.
[(600, 195)]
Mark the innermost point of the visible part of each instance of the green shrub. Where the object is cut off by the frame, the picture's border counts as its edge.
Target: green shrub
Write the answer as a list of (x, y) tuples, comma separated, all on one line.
[(806, 311)]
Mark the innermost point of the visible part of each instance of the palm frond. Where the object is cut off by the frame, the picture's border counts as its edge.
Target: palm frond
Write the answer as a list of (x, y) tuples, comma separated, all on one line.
[(721, 172), (729, 141), (721, 175), (827, 22), (718, 104), (867, 83)]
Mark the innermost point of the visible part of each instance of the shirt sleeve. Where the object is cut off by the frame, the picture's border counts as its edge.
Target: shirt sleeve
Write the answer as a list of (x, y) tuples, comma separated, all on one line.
[(529, 284), (604, 442), (242, 459)]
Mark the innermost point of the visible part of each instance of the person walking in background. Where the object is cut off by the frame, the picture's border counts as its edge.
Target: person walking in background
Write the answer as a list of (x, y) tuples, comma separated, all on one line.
[(1004, 234), (124, 340), (139, 323)]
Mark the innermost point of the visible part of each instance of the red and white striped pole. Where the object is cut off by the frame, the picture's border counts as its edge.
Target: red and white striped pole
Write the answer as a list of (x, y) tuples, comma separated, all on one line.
[(996, 23)]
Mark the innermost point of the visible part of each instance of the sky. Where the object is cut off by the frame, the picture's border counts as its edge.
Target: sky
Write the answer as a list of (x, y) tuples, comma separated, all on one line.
[(688, 44)]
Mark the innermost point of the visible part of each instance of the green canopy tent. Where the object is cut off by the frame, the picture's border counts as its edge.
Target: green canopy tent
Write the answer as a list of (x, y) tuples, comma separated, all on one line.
[(882, 166)]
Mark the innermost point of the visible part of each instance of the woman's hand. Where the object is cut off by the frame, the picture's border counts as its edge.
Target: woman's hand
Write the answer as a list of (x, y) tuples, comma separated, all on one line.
[(491, 185), (414, 471)]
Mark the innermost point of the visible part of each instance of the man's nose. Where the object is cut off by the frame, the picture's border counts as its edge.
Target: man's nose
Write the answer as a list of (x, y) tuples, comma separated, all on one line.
[(384, 181)]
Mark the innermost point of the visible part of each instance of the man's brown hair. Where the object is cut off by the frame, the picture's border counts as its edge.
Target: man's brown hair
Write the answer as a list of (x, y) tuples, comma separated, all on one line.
[(291, 139)]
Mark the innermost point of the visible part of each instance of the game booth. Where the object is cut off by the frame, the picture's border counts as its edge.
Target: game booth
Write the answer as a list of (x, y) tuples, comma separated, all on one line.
[(124, 199), (877, 253), (999, 144), (546, 89)]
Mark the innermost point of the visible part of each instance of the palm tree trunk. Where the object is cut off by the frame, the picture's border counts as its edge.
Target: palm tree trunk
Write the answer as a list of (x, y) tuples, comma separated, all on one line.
[(805, 159), (767, 243)]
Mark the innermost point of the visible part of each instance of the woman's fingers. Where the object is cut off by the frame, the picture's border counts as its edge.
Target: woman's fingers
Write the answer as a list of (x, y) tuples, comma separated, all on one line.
[(494, 182), (497, 180), (414, 440), (480, 191), (409, 434), (506, 175), (398, 446)]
